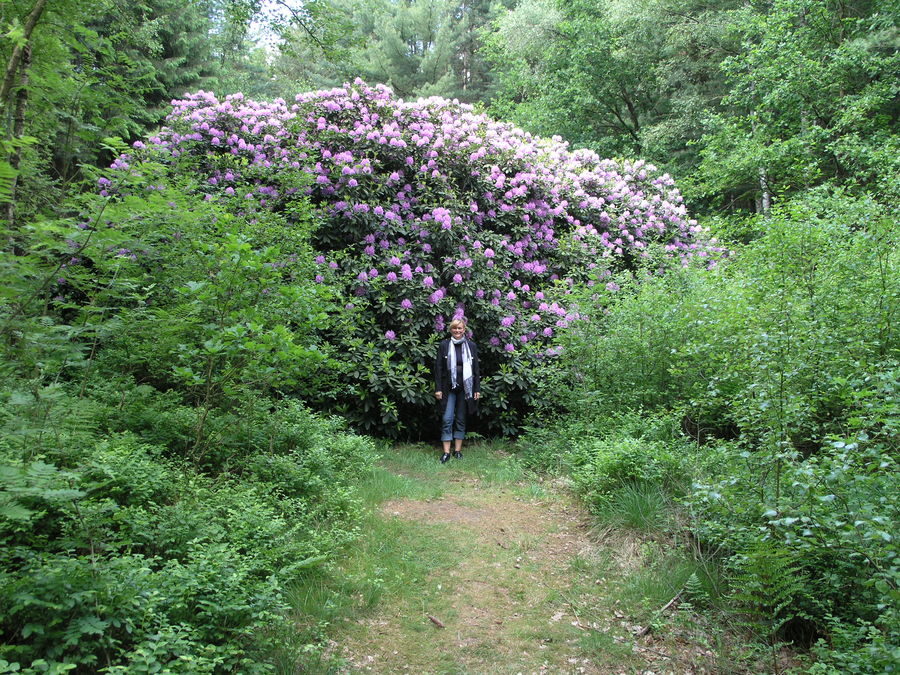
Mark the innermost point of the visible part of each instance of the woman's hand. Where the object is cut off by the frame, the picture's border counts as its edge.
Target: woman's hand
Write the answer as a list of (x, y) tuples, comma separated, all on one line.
[(439, 395)]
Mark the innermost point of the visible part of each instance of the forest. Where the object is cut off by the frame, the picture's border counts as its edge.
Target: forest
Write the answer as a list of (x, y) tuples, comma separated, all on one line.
[(234, 232)]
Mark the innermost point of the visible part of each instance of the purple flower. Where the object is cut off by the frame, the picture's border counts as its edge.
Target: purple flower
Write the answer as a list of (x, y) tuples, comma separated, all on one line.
[(406, 303), (509, 347), (457, 278), (488, 253), (612, 286), (390, 335)]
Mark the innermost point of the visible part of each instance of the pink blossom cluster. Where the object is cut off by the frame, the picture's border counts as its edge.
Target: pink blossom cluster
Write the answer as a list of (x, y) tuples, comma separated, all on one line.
[(435, 208)]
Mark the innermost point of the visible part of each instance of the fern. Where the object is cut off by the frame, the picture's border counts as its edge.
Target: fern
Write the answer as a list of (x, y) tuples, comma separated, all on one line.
[(770, 589), (7, 177), (693, 591)]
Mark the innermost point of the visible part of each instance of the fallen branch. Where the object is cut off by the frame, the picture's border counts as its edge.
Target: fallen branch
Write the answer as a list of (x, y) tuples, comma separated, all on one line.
[(436, 621), (646, 629)]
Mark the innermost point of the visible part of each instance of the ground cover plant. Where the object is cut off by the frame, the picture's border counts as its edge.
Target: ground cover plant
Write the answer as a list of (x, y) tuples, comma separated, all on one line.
[(431, 211), (121, 557)]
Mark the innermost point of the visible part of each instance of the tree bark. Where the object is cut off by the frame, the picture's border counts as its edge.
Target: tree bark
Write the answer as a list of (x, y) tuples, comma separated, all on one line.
[(13, 66), (18, 132), (765, 200)]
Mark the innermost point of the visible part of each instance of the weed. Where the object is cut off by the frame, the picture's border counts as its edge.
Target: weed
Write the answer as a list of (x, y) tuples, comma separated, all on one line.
[(641, 507)]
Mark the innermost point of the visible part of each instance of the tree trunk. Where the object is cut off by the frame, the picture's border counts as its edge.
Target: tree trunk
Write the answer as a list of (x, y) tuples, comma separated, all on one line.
[(18, 132), (765, 200), (13, 66)]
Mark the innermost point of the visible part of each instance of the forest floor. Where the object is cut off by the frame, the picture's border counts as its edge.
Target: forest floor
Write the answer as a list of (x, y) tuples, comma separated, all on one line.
[(477, 566)]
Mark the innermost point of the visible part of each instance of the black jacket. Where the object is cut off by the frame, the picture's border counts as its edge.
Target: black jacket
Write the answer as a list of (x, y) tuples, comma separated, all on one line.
[(442, 377)]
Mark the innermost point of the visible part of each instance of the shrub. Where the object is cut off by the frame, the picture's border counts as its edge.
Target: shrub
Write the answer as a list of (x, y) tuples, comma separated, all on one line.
[(119, 555), (858, 648), (783, 366), (429, 211), (602, 467)]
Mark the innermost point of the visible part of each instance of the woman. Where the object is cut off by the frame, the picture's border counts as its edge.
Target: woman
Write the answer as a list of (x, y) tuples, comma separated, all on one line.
[(457, 385)]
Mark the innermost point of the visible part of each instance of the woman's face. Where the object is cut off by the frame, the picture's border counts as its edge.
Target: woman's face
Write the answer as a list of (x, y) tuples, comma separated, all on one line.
[(456, 332)]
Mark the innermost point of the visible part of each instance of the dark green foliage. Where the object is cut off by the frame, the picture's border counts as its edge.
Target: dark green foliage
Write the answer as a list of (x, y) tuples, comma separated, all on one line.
[(142, 561), (858, 648), (108, 67), (769, 587), (782, 366), (812, 99), (745, 102), (419, 48), (157, 487), (601, 467)]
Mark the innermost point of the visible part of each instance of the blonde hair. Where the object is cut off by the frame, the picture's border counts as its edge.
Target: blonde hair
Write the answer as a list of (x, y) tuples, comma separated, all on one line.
[(456, 322)]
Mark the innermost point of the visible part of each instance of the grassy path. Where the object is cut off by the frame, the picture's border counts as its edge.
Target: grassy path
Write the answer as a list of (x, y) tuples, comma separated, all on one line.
[(473, 567)]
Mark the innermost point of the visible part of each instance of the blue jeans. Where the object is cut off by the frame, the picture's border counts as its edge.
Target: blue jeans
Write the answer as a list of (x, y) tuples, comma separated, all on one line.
[(453, 424)]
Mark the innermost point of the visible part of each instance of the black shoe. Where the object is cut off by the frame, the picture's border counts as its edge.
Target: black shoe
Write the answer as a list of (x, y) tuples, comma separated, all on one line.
[(445, 457), (457, 454)]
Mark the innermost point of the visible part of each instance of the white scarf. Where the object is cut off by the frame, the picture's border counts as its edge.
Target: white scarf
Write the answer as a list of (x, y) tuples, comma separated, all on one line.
[(466, 365)]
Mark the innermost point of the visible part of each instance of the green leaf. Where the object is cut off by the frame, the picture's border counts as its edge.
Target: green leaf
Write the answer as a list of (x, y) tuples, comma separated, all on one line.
[(91, 625), (12, 510)]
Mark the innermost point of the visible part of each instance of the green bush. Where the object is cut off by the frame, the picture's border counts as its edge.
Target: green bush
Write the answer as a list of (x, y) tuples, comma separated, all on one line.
[(602, 467), (858, 648), (117, 555), (783, 368)]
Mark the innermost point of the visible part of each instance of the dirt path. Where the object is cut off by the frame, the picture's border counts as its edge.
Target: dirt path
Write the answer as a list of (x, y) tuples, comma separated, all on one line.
[(503, 577)]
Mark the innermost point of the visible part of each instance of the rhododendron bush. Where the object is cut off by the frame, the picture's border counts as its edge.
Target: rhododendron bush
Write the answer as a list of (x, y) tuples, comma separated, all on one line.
[(431, 211)]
